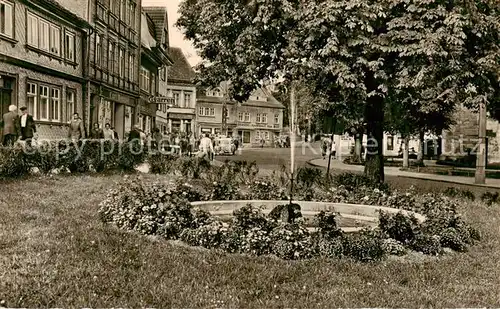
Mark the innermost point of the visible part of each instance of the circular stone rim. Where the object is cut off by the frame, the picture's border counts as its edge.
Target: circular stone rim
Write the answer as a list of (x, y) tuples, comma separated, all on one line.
[(361, 212)]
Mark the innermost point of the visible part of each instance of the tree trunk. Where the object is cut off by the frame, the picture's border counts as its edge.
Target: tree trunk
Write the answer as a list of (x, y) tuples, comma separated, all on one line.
[(374, 117), (421, 145), (406, 152)]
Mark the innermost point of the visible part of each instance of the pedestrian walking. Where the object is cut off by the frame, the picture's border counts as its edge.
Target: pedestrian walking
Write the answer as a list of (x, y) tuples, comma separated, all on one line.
[(10, 126), (107, 133), (27, 126), (334, 149), (207, 147), (76, 129), (96, 132), (134, 134)]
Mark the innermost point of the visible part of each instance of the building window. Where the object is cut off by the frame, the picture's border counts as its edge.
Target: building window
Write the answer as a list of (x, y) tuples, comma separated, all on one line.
[(55, 105), (276, 118), (212, 111), (111, 56), (240, 116), (32, 100), (264, 118), (6, 19), (43, 35), (153, 83), (46, 103), (98, 50), (131, 66), (164, 108), (390, 143), (127, 17), (144, 82), (258, 118), (176, 96), (69, 46), (32, 30), (55, 40), (70, 104), (187, 99), (200, 111), (132, 15), (123, 10), (247, 117), (163, 73), (121, 64)]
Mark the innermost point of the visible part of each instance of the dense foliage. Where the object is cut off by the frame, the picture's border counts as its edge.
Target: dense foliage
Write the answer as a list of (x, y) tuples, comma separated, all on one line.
[(66, 156), (165, 210), (412, 60)]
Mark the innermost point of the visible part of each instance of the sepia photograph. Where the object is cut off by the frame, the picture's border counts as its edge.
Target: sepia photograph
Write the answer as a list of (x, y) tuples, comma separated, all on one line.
[(249, 153)]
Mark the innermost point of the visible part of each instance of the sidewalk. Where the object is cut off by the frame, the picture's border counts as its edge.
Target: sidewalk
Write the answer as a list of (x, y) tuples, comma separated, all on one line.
[(395, 171)]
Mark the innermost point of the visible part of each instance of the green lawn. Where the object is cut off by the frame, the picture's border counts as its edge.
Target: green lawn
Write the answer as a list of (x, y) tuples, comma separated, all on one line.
[(54, 251)]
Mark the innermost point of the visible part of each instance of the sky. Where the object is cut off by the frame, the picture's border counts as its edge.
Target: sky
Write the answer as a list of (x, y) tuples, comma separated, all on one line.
[(176, 36)]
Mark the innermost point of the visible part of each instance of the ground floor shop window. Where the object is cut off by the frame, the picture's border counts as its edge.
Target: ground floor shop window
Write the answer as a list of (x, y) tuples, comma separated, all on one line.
[(44, 101)]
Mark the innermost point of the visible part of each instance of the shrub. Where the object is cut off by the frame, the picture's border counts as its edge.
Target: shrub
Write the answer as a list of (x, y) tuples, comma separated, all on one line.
[(148, 209), (307, 177), (291, 242), (12, 162), (327, 224), (393, 247), (490, 198), (221, 191), (266, 190), (398, 226), (193, 167), (255, 241), (363, 246), (427, 244), (249, 217), (188, 192), (330, 248), (352, 181), (162, 163), (210, 236), (454, 192)]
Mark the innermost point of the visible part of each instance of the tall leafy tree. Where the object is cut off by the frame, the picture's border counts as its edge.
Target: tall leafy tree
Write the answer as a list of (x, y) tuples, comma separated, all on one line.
[(365, 55)]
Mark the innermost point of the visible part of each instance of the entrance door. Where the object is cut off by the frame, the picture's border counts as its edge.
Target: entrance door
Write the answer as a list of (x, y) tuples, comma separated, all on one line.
[(246, 137), (5, 100)]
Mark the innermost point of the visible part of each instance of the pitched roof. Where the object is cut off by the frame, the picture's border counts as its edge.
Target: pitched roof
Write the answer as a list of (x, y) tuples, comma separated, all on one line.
[(271, 102), (181, 70), (158, 15), (57, 8)]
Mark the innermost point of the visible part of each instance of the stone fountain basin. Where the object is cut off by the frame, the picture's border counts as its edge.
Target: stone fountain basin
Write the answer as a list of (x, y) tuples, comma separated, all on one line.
[(353, 217)]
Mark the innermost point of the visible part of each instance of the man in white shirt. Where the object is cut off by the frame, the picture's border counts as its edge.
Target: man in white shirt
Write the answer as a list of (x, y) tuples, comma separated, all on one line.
[(27, 126), (206, 147)]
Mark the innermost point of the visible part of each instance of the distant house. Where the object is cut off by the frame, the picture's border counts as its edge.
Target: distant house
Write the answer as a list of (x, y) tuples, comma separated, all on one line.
[(154, 60), (258, 119), (180, 86)]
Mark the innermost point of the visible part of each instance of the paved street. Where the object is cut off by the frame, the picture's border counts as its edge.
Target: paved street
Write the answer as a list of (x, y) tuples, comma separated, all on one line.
[(269, 159)]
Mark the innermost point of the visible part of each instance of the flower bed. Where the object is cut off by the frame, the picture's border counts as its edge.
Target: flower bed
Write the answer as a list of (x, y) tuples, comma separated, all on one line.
[(166, 210)]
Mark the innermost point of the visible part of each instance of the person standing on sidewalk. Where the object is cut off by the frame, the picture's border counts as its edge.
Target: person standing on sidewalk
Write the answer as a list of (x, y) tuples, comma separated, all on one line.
[(27, 126), (76, 130), (10, 126), (206, 147)]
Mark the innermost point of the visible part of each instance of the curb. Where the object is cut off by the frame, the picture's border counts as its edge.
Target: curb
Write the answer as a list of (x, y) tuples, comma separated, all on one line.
[(418, 177)]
